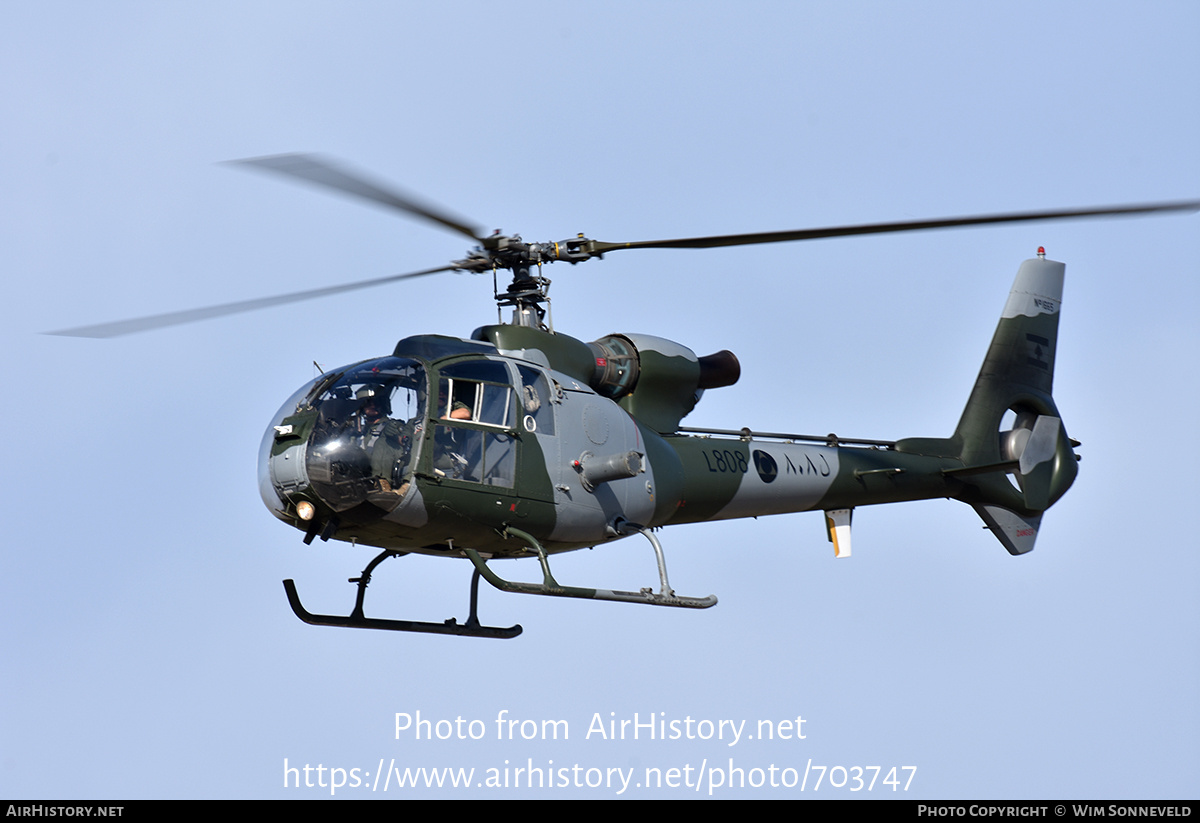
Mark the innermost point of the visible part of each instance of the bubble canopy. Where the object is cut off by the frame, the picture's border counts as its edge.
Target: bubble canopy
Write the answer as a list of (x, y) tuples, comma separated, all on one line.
[(346, 437)]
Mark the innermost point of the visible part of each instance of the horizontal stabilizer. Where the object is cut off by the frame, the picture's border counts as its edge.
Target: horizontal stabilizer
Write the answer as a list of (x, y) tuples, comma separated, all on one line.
[(1018, 533)]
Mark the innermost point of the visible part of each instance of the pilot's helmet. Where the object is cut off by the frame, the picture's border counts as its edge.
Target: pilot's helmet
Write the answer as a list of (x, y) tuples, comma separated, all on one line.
[(379, 395)]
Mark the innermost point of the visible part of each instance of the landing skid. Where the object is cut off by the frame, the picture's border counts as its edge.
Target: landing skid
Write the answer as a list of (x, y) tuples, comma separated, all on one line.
[(549, 586), (356, 619)]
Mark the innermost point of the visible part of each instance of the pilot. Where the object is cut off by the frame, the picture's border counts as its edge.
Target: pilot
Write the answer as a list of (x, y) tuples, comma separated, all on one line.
[(382, 437), (374, 407)]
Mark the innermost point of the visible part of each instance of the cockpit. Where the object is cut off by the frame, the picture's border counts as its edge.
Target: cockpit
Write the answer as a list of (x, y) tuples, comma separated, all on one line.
[(347, 438), (360, 435), (364, 431)]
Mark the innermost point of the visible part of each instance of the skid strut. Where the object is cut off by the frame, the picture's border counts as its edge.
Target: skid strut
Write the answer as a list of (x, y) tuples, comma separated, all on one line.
[(356, 619), (549, 586)]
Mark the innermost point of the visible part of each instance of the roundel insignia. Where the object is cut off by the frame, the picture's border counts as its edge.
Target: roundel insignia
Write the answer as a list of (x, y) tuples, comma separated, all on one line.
[(765, 465)]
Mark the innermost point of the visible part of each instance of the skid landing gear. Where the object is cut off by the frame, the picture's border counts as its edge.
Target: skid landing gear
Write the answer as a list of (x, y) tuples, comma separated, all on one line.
[(357, 620), (549, 586)]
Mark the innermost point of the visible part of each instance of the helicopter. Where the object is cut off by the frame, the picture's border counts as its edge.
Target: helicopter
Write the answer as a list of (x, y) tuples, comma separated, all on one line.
[(520, 441)]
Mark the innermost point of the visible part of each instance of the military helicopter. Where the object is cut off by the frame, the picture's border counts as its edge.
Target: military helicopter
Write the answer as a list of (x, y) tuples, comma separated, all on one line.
[(521, 441)]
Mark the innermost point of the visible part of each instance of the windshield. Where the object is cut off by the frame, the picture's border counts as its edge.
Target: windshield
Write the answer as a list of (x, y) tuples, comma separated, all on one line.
[(363, 437)]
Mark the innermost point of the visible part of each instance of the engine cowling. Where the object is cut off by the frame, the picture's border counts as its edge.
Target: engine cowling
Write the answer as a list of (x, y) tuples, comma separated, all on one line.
[(657, 381)]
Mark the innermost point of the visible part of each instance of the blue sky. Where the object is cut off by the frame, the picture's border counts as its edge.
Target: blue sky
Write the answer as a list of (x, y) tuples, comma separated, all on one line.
[(149, 648)]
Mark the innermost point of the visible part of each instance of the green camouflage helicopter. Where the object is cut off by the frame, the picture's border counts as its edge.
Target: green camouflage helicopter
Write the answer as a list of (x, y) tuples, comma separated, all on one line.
[(521, 441)]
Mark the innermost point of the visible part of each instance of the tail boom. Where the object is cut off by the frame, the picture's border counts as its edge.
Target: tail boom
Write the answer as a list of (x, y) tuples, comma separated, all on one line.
[(760, 474)]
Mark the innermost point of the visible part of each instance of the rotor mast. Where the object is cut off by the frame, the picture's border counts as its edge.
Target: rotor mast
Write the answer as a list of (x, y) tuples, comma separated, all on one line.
[(529, 288)]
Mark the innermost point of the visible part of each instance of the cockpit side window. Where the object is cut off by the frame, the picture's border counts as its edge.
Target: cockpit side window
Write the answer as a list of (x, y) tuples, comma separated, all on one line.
[(478, 391), (473, 395)]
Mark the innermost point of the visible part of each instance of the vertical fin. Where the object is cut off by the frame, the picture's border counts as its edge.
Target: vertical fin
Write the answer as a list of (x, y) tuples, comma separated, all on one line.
[(1019, 366), (1018, 376)]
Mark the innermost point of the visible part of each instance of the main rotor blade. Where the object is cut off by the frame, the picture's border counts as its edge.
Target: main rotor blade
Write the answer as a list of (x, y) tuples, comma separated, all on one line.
[(177, 318), (885, 228), (321, 172)]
